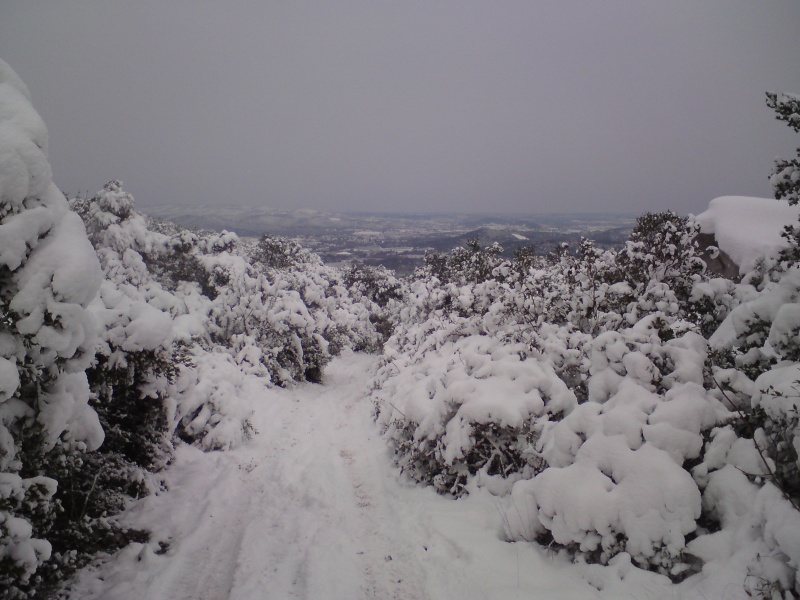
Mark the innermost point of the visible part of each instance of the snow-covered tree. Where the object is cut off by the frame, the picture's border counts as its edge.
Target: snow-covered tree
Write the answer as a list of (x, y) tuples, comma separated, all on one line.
[(471, 263), (785, 177), (278, 253), (48, 276)]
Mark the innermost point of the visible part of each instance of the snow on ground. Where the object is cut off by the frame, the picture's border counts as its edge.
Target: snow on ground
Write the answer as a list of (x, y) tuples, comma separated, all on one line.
[(748, 229), (313, 507)]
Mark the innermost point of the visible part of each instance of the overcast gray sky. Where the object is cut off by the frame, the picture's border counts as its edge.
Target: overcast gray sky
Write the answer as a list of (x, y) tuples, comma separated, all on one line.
[(530, 106)]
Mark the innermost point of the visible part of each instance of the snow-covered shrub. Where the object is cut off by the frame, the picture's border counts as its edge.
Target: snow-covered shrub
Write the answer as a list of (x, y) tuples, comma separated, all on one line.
[(785, 177), (143, 330), (574, 289), (679, 445), (567, 349), (776, 421), (377, 284), (761, 342), (297, 311), (592, 290), (279, 253), (468, 264), (662, 248), (553, 315), (618, 477), (155, 351), (460, 403), (48, 276), (206, 404), (179, 264), (381, 291), (344, 317), (124, 243), (614, 499), (269, 313)]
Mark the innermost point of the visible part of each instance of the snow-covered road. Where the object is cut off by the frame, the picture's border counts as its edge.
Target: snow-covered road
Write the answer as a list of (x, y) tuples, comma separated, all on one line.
[(313, 508)]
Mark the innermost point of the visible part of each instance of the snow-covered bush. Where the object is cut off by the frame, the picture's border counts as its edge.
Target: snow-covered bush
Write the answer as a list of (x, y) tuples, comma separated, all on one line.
[(662, 248), (297, 311), (683, 410), (572, 289), (48, 276), (614, 499), (344, 316), (785, 176), (279, 253), (377, 284), (207, 404), (381, 291), (468, 264), (157, 329), (272, 315), (618, 478), (591, 290), (456, 403)]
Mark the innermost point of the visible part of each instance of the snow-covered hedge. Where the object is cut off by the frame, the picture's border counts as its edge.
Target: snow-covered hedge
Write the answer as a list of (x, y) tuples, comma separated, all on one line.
[(621, 402), (120, 330), (48, 276)]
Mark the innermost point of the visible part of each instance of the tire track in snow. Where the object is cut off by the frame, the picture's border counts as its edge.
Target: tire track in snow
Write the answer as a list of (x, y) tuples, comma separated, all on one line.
[(207, 556), (391, 570), (308, 508), (331, 535)]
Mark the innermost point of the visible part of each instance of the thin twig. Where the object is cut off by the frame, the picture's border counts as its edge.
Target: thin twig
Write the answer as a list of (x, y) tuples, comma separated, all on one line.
[(772, 476), (89, 495)]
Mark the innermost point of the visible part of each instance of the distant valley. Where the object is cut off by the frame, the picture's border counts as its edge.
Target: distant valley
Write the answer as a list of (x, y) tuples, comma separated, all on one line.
[(399, 241)]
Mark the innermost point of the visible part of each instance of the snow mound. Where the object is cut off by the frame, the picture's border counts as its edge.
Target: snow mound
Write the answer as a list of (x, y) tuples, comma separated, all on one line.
[(747, 228)]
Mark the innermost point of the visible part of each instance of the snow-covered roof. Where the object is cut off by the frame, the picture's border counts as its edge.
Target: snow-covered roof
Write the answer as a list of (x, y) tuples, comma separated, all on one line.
[(748, 228)]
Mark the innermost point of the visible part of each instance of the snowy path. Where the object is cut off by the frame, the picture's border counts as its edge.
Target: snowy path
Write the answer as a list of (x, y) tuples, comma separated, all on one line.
[(312, 508)]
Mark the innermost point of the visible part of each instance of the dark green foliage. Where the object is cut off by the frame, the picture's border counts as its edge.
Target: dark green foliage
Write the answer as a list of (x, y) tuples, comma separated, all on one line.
[(135, 425), (785, 176), (787, 107), (775, 438), (95, 486), (182, 264), (503, 451)]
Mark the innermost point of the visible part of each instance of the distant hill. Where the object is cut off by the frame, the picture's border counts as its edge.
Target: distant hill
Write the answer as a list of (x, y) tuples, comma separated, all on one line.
[(252, 221), (399, 241)]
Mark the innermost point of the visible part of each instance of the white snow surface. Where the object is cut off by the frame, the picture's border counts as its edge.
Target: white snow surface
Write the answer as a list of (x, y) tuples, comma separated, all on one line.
[(312, 507), (748, 228)]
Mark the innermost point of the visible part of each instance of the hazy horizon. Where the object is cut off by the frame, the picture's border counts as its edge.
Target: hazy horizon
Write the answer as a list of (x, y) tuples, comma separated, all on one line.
[(421, 212)]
